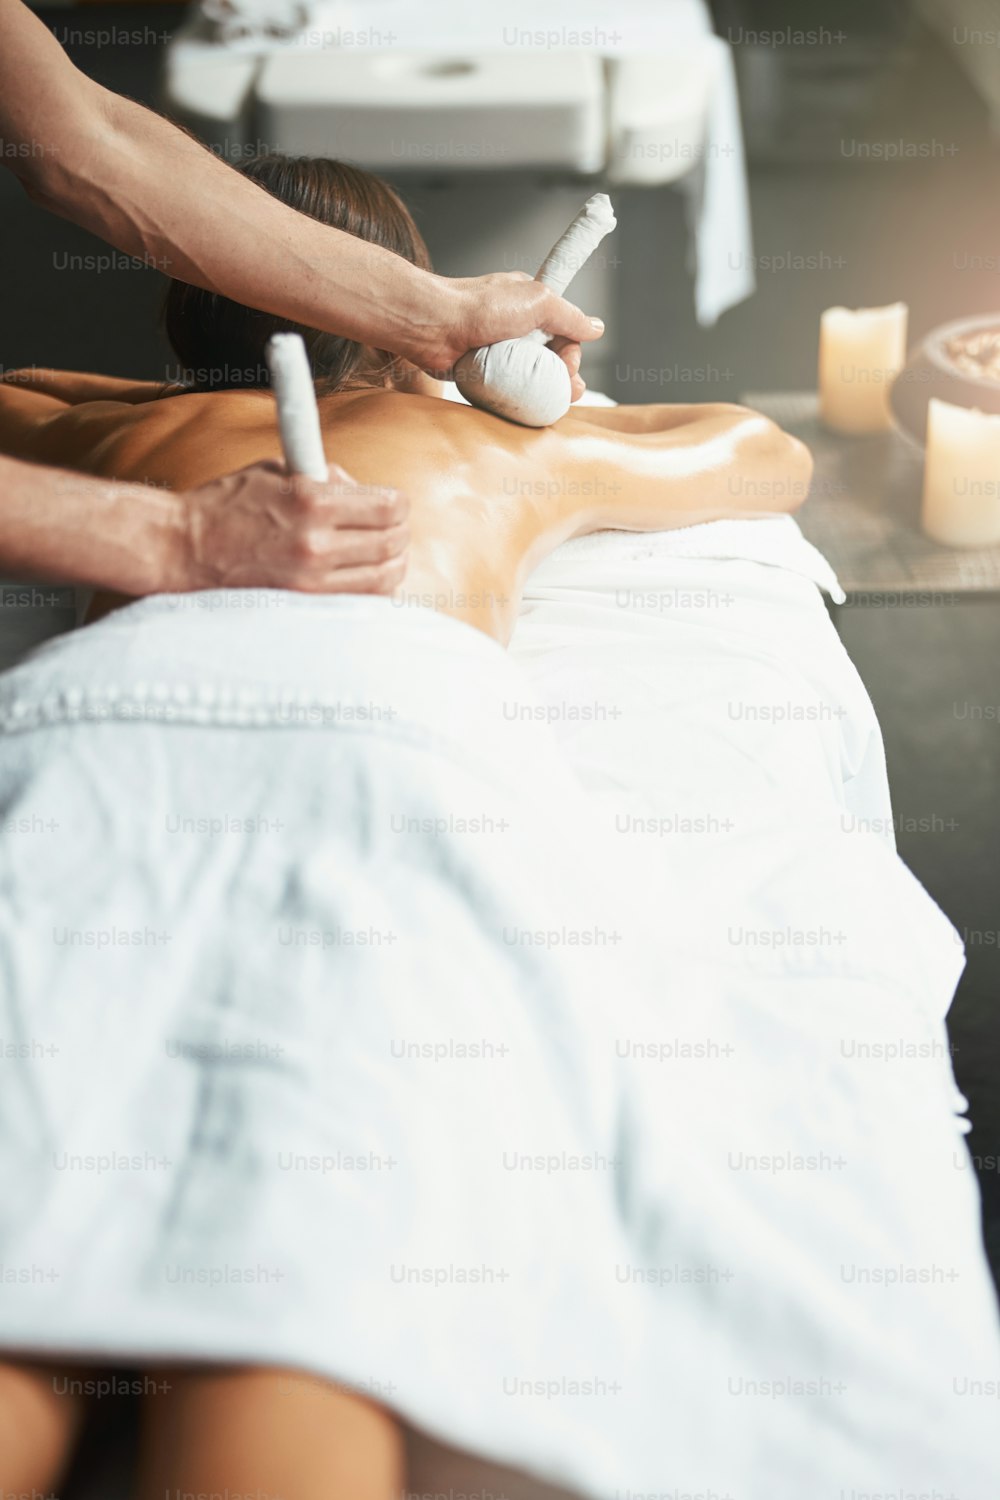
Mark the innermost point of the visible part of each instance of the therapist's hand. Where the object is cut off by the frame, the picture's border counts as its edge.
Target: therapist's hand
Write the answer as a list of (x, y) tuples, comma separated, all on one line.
[(505, 305), (264, 528)]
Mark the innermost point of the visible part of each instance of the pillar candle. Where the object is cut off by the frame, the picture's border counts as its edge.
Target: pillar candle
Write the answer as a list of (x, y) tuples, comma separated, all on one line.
[(962, 476), (860, 354)]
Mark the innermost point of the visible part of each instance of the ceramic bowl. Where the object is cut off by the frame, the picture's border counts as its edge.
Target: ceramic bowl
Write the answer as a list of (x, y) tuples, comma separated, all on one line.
[(958, 362)]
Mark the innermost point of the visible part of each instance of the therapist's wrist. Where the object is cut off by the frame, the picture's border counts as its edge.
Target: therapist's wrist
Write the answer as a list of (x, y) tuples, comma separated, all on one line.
[(437, 319), (174, 561), (422, 320), (448, 324), (155, 553), (128, 538)]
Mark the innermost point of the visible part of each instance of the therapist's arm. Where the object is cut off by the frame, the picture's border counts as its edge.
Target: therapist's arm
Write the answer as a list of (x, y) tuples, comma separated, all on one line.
[(257, 528), (143, 185), (253, 529)]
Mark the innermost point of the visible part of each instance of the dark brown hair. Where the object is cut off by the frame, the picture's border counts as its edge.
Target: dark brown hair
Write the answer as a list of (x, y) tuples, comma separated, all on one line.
[(221, 344)]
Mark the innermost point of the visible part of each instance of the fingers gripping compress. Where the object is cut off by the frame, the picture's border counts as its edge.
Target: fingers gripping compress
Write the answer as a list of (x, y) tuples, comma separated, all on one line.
[(298, 414), (521, 379)]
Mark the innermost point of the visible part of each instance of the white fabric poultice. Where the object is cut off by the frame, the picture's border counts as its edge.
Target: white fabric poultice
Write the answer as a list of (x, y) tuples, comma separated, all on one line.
[(298, 414), (518, 379), (522, 379), (574, 248)]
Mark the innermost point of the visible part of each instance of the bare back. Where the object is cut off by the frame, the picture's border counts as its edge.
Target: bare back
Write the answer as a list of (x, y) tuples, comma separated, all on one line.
[(488, 499)]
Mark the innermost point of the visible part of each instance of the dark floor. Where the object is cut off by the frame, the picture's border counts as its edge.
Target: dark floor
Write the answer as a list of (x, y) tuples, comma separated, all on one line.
[(869, 233)]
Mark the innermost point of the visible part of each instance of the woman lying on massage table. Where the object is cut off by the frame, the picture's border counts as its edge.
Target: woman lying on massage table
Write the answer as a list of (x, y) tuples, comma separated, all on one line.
[(489, 499)]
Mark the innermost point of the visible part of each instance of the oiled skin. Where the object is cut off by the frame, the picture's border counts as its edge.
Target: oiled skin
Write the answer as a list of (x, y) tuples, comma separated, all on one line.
[(489, 499)]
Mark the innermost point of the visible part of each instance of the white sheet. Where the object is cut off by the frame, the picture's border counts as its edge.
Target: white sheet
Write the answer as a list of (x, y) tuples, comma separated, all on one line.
[(687, 677), (721, 1174)]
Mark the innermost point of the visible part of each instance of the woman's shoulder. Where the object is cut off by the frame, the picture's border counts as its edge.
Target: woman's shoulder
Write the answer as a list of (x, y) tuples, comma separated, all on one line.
[(150, 442), (423, 414)]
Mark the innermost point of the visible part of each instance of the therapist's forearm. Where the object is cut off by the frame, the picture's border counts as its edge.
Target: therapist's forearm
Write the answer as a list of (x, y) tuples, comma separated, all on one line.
[(136, 179), (142, 184), (69, 528), (149, 189)]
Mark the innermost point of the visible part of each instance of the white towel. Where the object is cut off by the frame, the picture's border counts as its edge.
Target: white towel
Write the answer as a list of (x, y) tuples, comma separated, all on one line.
[(643, 1246)]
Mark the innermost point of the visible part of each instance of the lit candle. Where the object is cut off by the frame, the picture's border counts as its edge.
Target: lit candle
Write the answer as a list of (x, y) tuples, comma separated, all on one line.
[(860, 354), (962, 476)]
